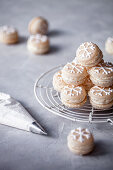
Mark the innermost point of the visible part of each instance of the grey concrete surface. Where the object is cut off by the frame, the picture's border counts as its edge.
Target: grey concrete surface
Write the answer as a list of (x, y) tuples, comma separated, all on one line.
[(71, 23)]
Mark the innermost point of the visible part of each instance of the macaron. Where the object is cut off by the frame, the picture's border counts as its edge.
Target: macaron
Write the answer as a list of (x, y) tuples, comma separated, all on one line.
[(88, 54), (74, 74), (73, 96), (58, 82), (80, 141), (102, 75), (101, 98), (38, 44), (38, 25), (8, 35)]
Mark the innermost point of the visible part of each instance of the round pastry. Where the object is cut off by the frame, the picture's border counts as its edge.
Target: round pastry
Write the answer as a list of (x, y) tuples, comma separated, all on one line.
[(101, 98), (109, 45), (88, 84), (58, 82), (74, 74), (88, 54), (38, 44), (38, 25), (102, 75), (8, 35), (73, 96), (80, 141)]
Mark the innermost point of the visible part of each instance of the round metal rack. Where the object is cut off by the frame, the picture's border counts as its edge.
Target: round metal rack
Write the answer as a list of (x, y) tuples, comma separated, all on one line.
[(50, 99)]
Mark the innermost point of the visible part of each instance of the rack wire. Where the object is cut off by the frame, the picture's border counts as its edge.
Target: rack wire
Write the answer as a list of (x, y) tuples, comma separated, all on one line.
[(50, 99)]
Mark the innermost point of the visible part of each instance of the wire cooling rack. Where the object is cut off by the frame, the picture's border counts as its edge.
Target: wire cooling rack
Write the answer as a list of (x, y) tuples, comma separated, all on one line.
[(50, 99)]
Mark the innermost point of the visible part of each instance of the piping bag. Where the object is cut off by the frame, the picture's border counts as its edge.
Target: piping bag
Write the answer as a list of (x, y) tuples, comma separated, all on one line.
[(13, 114)]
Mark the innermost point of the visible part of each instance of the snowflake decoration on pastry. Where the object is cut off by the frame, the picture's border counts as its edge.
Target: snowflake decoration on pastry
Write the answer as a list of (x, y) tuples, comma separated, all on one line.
[(99, 91), (74, 68), (7, 29), (84, 48), (80, 134), (59, 75), (72, 90), (38, 38), (105, 70)]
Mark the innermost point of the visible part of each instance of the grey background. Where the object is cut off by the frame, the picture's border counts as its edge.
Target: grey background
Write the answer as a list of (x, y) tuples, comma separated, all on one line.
[(71, 23)]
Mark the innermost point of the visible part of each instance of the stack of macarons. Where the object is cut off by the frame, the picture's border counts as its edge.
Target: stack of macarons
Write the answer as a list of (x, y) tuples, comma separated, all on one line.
[(101, 94), (86, 74), (38, 42)]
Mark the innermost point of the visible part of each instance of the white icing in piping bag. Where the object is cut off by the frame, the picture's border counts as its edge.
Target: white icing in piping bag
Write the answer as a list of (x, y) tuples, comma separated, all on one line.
[(13, 114)]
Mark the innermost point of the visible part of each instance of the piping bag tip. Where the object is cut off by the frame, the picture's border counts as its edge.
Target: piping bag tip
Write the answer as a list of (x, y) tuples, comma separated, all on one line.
[(43, 133), (36, 128)]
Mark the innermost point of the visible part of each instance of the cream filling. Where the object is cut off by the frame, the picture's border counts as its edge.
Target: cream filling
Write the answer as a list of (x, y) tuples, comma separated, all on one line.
[(73, 80), (73, 101), (103, 101), (100, 103), (101, 80)]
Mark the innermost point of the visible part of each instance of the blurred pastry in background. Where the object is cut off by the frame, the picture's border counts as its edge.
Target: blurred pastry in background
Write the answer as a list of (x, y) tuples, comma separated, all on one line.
[(109, 45), (38, 44), (38, 25), (8, 35)]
